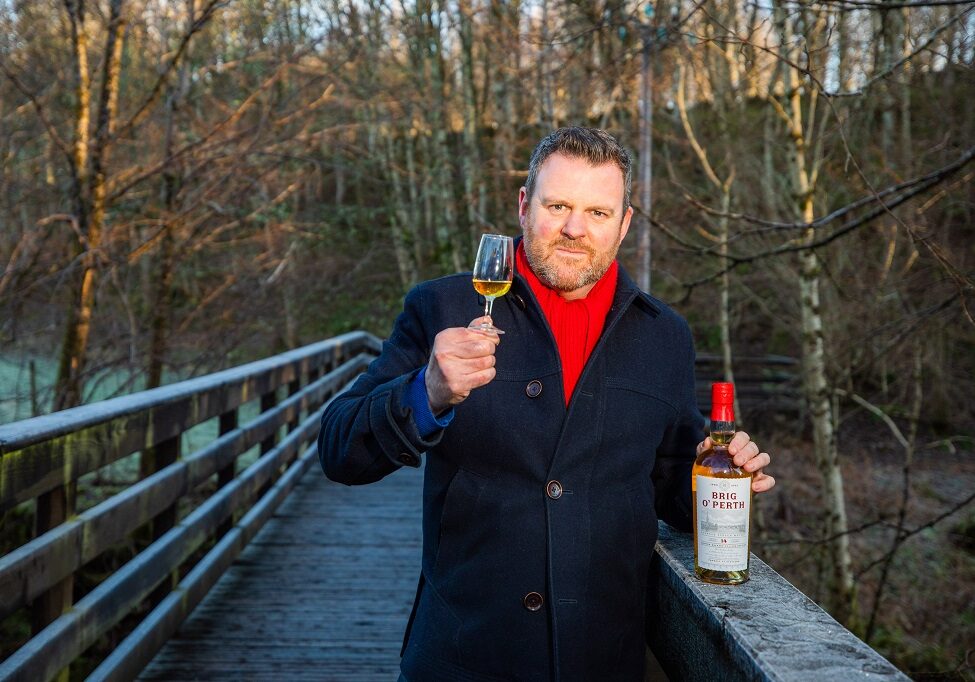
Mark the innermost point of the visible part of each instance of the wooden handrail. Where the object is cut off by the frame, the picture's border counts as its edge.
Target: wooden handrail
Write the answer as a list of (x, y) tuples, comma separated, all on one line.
[(39, 454), (36, 566), (43, 457)]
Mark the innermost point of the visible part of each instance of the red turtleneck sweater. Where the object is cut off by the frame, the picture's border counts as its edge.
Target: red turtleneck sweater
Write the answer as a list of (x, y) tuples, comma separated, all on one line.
[(576, 325)]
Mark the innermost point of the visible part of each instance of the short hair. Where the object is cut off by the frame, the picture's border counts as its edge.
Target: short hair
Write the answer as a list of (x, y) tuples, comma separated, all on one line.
[(592, 144)]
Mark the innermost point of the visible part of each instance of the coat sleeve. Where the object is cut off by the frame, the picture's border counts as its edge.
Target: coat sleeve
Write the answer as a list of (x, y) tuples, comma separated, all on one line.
[(675, 456), (368, 431)]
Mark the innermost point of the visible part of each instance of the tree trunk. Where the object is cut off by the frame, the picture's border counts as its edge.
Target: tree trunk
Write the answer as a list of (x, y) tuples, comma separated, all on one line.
[(770, 197), (171, 180), (844, 80), (447, 230), (815, 381), (645, 170), (398, 218), (67, 391), (547, 119), (724, 321)]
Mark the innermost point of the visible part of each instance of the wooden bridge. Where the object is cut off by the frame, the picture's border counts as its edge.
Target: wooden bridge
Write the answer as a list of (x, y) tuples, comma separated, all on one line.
[(240, 561)]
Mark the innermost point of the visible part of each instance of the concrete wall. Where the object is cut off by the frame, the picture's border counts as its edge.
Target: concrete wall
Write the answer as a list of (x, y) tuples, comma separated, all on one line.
[(764, 629)]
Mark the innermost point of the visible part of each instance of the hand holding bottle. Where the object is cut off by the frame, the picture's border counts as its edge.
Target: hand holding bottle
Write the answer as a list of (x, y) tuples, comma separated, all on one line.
[(747, 455)]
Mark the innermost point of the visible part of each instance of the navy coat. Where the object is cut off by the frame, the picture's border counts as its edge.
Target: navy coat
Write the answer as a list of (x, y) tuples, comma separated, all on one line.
[(522, 495)]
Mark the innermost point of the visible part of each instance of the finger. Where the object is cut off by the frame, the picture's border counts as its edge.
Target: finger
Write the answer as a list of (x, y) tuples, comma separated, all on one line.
[(746, 454), (739, 441), (478, 379), (704, 445), (762, 483), (757, 463), (462, 378), (476, 346), (475, 365)]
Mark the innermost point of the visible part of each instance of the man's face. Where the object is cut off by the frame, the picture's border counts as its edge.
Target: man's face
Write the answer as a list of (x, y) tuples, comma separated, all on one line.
[(574, 223)]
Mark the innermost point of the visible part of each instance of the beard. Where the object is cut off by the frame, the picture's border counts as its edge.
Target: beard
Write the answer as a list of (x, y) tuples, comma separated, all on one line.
[(563, 274)]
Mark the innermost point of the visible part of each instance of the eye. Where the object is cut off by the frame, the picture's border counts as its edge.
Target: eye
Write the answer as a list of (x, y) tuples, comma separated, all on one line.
[(599, 214), (557, 208)]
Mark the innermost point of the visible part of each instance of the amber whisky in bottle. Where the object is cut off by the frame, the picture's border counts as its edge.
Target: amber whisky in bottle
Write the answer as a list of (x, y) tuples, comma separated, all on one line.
[(722, 500)]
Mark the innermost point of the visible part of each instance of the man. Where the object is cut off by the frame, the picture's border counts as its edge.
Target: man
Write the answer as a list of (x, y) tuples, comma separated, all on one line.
[(550, 454)]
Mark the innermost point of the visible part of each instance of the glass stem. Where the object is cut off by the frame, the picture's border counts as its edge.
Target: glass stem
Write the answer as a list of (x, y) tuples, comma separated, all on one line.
[(488, 304)]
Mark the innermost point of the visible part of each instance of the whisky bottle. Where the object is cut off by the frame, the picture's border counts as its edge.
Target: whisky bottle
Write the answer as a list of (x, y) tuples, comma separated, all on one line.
[(722, 500)]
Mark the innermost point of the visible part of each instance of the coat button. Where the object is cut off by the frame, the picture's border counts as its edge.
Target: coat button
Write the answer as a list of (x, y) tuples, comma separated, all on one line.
[(533, 601), (554, 489), (534, 388), (407, 459)]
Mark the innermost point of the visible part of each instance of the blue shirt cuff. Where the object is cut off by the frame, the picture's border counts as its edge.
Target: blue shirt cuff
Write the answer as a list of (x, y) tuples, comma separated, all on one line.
[(416, 399)]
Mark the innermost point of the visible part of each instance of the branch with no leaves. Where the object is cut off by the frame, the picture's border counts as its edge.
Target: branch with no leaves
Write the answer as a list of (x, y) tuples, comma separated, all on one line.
[(39, 110), (930, 524), (880, 5), (876, 411), (917, 186), (198, 23), (772, 225), (908, 57), (823, 541), (962, 281)]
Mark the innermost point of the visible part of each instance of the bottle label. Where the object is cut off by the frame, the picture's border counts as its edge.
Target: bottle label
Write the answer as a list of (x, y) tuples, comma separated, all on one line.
[(722, 522)]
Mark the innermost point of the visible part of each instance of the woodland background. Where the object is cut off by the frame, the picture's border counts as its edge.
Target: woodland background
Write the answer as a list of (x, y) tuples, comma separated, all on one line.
[(187, 185)]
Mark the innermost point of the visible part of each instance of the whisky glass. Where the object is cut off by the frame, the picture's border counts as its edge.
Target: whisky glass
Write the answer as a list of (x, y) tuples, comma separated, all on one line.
[(494, 269)]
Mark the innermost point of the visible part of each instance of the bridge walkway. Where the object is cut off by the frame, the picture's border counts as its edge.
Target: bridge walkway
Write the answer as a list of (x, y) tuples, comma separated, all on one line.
[(323, 592)]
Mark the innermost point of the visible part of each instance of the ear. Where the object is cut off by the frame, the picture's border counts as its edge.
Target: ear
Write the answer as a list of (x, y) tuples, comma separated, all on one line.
[(625, 225), (523, 202)]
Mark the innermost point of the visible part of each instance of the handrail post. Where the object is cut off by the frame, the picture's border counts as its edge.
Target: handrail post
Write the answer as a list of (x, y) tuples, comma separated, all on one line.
[(294, 387), (53, 508), (155, 459), (313, 375), (228, 422), (268, 401)]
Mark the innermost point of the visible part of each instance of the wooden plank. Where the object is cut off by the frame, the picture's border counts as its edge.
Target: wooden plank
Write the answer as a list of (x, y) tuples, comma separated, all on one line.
[(38, 454), (351, 555), (31, 569), (127, 659)]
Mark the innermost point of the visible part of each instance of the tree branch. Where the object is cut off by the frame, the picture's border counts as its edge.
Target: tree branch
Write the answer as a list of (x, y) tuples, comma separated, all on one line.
[(39, 110), (917, 187), (930, 524), (205, 15)]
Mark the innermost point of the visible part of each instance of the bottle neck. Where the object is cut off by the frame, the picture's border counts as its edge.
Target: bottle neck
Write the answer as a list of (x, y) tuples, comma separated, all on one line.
[(722, 431)]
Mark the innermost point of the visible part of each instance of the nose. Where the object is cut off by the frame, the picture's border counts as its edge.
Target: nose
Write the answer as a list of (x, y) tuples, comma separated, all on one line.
[(574, 226)]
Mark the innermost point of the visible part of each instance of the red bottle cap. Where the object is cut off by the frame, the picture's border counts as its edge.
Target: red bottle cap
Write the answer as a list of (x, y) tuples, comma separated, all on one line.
[(722, 402)]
